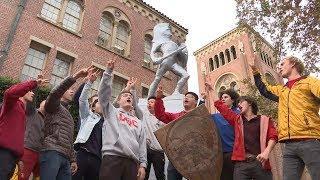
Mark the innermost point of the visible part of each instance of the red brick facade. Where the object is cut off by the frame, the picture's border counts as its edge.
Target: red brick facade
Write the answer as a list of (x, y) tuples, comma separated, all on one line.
[(236, 67), (83, 44)]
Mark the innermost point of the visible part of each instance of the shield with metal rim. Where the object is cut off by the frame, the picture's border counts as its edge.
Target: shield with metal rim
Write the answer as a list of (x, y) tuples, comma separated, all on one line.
[(193, 146)]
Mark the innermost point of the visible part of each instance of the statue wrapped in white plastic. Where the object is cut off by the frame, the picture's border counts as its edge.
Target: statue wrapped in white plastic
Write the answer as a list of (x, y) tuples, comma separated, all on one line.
[(172, 57)]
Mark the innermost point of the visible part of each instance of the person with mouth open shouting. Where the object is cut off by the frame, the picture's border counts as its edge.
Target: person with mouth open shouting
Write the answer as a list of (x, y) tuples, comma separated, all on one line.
[(255, 137), (124, 147), (189, 103)]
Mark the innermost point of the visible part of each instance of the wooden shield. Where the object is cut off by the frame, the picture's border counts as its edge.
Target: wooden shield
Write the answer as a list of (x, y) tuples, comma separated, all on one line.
[(193, 146)]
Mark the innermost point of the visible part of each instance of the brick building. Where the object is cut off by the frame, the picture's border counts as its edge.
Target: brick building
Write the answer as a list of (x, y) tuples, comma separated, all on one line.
[(226, 61), (59, 37)]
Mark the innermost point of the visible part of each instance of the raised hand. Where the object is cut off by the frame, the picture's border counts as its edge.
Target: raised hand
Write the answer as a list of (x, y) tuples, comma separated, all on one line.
[(204, 95), (41, 82), (131, 83), (159, 92), (93, 74), (208, 86), (82, 72)]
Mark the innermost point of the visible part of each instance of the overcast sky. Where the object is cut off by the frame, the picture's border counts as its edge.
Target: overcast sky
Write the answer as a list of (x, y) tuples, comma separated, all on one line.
[(206, 20)]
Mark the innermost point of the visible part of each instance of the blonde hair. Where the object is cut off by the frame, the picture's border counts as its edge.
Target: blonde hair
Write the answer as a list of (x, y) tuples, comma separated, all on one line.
[(298, 64)]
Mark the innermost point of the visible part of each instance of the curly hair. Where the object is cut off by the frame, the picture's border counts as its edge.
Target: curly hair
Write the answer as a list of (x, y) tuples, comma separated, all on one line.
[(233, 94)]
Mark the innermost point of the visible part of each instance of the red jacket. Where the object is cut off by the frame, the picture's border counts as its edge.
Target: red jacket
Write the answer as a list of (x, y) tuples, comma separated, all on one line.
[(164, 116), (267, 132), (12, 117)]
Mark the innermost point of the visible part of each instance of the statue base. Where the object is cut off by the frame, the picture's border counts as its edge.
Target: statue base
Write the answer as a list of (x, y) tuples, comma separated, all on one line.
[(172, 103)]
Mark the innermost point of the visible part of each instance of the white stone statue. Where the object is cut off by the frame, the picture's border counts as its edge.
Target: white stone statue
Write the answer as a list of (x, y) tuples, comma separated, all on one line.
[(172, 57)]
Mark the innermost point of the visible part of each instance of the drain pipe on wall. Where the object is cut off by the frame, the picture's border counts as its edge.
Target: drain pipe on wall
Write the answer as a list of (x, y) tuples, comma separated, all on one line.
[(15, 22)]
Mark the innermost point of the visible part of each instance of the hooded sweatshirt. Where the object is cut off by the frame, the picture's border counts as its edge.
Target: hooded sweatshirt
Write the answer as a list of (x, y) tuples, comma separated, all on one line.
[(122, 132)]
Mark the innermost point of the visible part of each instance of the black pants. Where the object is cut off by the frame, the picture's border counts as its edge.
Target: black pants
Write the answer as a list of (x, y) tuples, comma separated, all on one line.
[(157, 159), (251, 171), (173, 173), (227, 168), (7, 163), (88, 166), (118, 168)]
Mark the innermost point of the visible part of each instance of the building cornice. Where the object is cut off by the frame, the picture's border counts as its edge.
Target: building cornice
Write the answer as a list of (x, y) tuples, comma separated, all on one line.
[(156, 16)]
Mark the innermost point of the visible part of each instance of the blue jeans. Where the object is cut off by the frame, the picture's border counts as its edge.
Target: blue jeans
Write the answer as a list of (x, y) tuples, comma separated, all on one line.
[(298, 154), (173, 173), (54, 166)]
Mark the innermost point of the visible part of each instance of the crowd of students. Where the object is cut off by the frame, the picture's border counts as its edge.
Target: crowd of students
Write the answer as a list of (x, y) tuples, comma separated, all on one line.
[(116, 140)]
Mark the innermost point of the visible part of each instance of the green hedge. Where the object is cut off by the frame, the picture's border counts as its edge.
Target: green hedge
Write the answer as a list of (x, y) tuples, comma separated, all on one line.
[(41, 94)]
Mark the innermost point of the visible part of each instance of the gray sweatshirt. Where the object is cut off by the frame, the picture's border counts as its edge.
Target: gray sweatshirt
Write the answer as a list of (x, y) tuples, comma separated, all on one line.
[(122, 132)]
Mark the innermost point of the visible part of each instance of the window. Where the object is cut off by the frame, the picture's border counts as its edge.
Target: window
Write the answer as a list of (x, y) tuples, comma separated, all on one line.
[(122, 37), (228, 55), (216, 61), (147, 50), (145, 92), (211, 64), (222, 88), (261, 55), (233, 51), (65, 13), (61, 68), (105, 31), (223, 62), (234, 86), (34, 62), (118, 85), (51, 9), (72, 16), (114, 32)]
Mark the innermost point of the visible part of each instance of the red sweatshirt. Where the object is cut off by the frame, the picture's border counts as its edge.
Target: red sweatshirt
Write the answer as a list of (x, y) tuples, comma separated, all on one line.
[(12, 117), (164, 116), (267, 132)]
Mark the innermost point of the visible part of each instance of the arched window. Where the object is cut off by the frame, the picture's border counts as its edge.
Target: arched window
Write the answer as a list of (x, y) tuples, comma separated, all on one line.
[(51, 9), (147, 50), (271, 64), (233, 51), (122, 37), (216, 61), (234, 86), (221, 55), (105, 30), (267, 59), (228, 55), (261, 55), (222, 88), (71, 18), (211, 64), (63, 13)]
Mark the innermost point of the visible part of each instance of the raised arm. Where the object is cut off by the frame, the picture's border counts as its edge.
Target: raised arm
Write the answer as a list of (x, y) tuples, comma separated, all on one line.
[(263, 89), (84, 107), (77, 95), (16, 91), (104, 93), (53, 100), (226, 112), (159, 109)]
